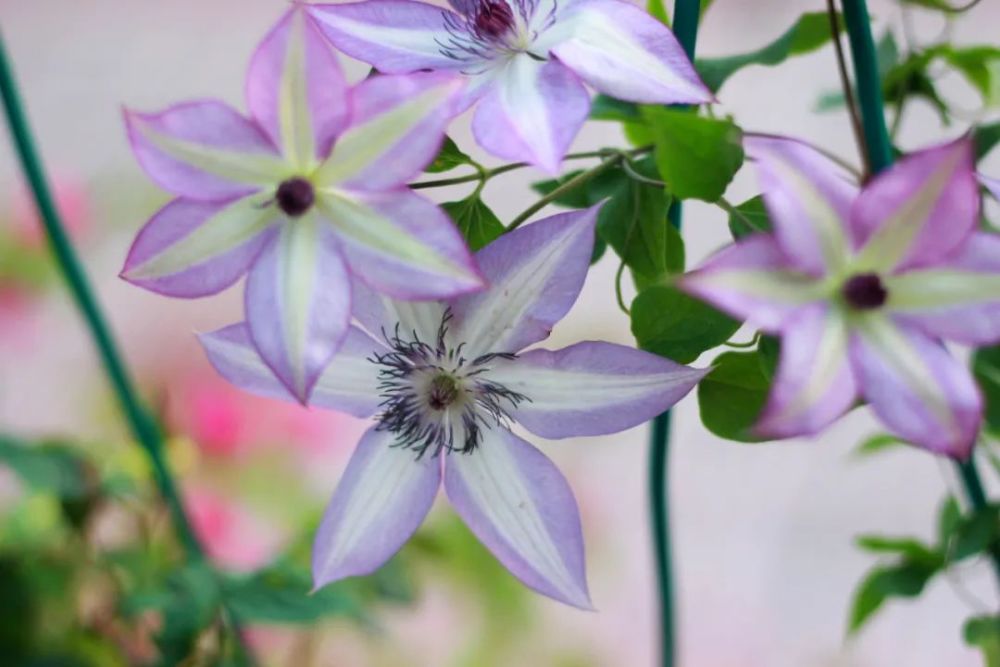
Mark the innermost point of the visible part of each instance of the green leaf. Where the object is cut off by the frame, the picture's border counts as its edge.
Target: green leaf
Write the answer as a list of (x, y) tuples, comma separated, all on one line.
[(768, 351), (610, 108), (910, 78), (634, 223), (980, 65), (808, 33), (697, 157), (668, 322), (750, 217), (877, 444), (731, 397), (449, 157), (910, 548), (939, 5), (600, 247), (657, 10), (20, 611), (949, 517), (986, 137), (52, 467), (597, 189), (475, 220), (976, 533), (282, 595), (983, 632), (986, 369), (190, 604), (905, 579)]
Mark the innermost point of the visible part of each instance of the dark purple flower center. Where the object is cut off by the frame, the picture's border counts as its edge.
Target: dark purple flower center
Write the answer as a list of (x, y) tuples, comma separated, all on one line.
[(494, 18), (865, 291), (295, 196)]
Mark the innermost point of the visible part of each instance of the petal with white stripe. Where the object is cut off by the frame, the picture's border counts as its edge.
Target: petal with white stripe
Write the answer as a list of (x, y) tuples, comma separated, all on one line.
[(532, 112), (958, 299), (809, 199), (204, 150), (296, 91), (814, 384), (397, 126), (919, 211), (535, 274), (348, 384), (381, 315), (918, 390), (520, 506), (622, 51), (381, 500), (191, 248), (401, 244), (298, 303), (591, 388), (754, 280), (396, 36)]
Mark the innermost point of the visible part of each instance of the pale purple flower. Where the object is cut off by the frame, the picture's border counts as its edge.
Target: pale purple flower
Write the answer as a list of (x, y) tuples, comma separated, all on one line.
[(527, 61), (445, 380), (863, 285), (304, 197)]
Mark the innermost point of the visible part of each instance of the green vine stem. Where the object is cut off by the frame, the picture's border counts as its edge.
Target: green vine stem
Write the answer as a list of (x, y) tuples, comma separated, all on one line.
[(141, 424), (686, 16), (880, 156)]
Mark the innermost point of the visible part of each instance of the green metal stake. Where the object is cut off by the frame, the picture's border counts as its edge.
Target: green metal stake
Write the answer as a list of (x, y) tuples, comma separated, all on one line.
[(686, 15), (881, 156), (144, 429)]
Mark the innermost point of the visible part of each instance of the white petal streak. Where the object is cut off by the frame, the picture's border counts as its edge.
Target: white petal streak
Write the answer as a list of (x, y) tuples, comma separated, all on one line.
[(591, 388), (383, 497), (814, 384), (519, 505)]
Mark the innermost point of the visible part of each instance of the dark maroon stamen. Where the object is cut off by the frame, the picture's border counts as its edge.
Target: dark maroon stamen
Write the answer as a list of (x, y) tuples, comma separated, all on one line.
[(295, 196), (494, 18), (865, 291)]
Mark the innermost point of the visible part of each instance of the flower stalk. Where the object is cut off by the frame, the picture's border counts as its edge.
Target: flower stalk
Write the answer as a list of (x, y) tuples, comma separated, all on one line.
[(880, 156)]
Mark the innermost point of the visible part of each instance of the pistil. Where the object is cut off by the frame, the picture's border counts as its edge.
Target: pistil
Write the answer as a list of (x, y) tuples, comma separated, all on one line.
[(865, 291), (295, 196)]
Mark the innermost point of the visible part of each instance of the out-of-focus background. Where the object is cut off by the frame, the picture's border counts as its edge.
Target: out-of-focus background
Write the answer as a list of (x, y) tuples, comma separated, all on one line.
[(763, 534)]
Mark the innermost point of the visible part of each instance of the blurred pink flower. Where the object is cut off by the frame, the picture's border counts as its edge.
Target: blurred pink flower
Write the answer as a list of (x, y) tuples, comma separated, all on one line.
[(15, 310), (226, 422), (73, 203), (234, 537)]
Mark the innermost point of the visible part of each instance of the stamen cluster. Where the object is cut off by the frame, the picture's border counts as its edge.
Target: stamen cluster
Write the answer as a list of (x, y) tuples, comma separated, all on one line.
[(434, 398), (492, 28)]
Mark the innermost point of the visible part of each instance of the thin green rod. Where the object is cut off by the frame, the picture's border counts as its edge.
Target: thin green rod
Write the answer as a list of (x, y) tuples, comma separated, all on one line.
[(881, 156), (142, 426), (686, 16), (144, 429), (869, 85)]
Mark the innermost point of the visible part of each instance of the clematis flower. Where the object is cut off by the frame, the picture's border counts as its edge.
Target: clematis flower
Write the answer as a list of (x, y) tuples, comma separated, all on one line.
[(527, 60), (444, 380), (862, 286), (304, 197)]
